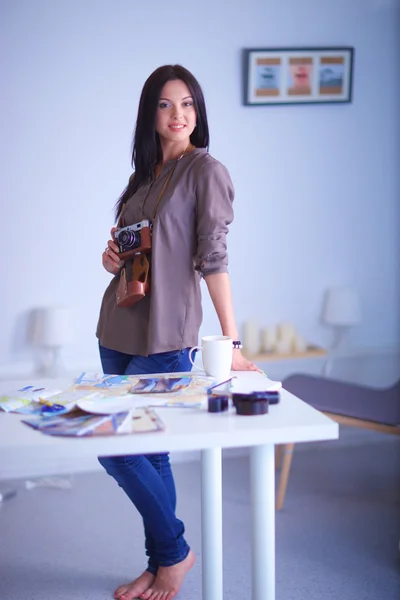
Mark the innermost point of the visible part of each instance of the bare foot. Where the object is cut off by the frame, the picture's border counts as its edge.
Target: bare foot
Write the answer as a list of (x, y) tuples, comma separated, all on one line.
[(169, 580), (132, 590)]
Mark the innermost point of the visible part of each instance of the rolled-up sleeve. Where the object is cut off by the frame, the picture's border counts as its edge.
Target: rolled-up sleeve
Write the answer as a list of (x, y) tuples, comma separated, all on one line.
[(214, 196)]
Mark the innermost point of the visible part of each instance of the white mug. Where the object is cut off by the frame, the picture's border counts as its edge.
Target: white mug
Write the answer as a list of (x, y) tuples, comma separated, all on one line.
[(216, 355)]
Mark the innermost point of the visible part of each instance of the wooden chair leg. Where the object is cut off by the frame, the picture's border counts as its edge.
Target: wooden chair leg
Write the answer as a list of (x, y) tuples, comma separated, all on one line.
[(278, 455), (283, 480)]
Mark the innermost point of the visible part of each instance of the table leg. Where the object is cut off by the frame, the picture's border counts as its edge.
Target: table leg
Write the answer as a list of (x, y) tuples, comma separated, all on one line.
[(283, 481), (262, 489), (211, 523)]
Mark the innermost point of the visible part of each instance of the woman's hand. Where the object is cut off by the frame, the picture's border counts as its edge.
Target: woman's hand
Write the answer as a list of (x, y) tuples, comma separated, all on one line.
[(240, 363), (110, 258)]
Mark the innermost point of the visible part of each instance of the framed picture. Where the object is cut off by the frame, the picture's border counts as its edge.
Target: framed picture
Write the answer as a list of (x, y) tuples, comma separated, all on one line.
[(297, 75)]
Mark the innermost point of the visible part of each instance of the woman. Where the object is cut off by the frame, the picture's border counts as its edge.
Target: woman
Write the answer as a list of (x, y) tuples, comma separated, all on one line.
[(191, 194)]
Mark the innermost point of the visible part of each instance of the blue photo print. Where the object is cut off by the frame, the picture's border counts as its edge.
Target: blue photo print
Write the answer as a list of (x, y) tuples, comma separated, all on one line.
[(331, 75), (268, 77)]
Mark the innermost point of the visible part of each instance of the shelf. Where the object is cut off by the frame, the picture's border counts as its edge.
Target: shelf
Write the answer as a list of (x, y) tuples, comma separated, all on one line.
[(312, 352)]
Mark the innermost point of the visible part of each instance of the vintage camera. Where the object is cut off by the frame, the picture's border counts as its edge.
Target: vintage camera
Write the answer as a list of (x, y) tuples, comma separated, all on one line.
[(133, 239)]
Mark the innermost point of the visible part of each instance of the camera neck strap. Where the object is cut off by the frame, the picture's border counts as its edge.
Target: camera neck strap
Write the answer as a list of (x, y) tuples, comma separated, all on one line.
[(166, 182), (164, 187)]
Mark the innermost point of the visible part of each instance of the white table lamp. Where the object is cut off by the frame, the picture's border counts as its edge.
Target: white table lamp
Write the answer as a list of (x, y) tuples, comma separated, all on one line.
[(341, 310), (51, 329), (342, 307)]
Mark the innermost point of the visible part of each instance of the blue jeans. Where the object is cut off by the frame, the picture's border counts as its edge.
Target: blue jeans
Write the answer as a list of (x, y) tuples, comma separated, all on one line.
[(147, 479)]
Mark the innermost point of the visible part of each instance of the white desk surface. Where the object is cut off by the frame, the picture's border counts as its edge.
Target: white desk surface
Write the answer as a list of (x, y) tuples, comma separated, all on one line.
[(292, 420)]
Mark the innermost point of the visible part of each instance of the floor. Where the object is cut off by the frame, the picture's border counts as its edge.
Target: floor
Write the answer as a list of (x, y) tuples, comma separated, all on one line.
[(336, 538)]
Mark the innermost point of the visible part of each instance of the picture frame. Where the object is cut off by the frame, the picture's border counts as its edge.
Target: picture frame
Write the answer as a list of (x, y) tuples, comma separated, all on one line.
[(313, 75)]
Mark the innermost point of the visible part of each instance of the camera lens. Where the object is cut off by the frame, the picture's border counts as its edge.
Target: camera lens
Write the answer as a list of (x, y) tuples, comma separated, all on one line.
[(127, 239)]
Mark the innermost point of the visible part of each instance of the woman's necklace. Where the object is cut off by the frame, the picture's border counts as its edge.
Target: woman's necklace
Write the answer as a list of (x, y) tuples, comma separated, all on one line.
[(188, 149), (158, 170), (159, 167)]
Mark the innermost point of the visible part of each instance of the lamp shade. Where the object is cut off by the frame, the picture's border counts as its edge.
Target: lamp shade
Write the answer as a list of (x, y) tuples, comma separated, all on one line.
[(341, 307), (51, 326)]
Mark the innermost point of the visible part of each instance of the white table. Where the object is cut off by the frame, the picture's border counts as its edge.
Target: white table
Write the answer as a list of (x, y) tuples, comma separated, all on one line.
[(193, 429)]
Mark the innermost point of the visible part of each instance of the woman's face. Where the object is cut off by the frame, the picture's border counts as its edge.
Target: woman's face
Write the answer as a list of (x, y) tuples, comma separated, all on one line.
[(176, 115)]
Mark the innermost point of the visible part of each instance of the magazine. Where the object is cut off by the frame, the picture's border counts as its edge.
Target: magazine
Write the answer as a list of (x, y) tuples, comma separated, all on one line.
[(17, 400), (116, 384), (139, 420), (159, 385), (186, 384), (42, 400), (174, 391)]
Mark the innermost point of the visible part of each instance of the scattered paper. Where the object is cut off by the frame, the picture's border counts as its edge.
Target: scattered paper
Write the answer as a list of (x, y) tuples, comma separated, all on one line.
[(140, 420), (16, 400)]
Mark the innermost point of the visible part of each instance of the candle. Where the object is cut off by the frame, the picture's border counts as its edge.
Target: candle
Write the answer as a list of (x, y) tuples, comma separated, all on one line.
[(251, 337), (300, 343), (268, 339), (284, 346), (287, 332)]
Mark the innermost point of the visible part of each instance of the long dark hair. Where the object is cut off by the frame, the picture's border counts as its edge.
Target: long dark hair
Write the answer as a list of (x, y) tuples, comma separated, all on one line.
[(146, 148)]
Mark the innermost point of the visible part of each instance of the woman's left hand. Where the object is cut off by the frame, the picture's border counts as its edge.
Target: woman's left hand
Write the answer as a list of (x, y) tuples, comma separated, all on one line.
[(240, 363)]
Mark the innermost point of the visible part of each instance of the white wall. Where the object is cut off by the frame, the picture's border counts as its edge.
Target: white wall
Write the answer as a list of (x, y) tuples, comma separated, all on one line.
[(317, 186)]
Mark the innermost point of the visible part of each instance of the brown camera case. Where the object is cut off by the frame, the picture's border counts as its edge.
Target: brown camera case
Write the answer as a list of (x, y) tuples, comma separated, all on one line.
[(130, 292)]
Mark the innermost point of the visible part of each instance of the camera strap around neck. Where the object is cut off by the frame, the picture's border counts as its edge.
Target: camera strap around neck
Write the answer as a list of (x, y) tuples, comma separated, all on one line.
[(164, 187), (160, 195)]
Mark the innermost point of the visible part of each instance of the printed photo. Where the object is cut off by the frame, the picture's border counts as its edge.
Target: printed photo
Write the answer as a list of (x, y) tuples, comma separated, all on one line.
[(300, 76), (160, 385), (268, 77), (331, 75)]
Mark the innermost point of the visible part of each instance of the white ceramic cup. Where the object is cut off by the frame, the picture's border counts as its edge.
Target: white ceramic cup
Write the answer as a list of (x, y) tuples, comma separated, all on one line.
[(216, 356)]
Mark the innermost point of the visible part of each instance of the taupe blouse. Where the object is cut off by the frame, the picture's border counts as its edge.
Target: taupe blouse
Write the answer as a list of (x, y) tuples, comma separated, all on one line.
[(189, 241)]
